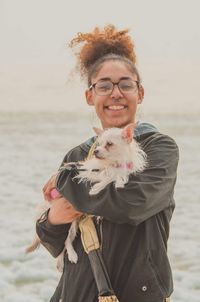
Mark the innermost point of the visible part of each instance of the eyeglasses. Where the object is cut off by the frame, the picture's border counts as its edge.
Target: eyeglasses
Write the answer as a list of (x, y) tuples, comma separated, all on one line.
[(106, 87)]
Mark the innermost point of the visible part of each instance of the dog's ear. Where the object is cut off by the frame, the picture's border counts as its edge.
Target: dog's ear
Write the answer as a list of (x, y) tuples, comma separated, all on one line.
[(98, 131), (127, 133)]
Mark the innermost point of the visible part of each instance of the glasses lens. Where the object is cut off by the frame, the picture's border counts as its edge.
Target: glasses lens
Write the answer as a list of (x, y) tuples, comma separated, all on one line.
[(103, 87), (127, 85)]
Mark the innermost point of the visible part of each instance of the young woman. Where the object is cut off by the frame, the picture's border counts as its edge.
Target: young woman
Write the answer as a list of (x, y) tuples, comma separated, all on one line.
[(135, 224)]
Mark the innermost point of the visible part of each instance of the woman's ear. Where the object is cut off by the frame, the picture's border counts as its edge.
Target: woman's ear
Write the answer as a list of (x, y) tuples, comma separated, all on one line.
[(140, 94), (89, 97)]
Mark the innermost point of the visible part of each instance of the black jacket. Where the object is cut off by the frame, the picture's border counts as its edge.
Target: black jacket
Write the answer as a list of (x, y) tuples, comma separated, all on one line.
[(134, 230)]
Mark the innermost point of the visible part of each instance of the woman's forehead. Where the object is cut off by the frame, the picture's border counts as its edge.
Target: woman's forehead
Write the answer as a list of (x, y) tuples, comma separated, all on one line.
[(114, 70)]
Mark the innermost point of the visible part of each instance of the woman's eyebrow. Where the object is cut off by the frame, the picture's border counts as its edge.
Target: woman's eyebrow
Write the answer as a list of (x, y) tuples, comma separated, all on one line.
[(125, 78), (105, 79)]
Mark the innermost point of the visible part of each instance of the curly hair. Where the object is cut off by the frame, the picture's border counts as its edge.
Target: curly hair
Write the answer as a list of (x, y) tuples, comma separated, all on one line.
[(98, 46)]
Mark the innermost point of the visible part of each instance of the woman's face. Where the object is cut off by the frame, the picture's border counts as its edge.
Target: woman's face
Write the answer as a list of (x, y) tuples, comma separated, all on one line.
[(117, 109)]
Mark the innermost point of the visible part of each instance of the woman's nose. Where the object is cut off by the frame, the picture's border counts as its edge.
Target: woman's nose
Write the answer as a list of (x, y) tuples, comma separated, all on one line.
[(116, 93)]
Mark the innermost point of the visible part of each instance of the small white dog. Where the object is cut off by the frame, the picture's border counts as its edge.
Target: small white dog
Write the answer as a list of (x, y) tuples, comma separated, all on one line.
[(116, 156)]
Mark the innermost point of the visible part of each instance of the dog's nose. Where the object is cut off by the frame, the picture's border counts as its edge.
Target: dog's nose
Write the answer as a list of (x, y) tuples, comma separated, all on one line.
[(96, 152)]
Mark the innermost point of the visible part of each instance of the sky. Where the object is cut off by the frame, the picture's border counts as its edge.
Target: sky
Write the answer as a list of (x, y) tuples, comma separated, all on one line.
[(36, 32)]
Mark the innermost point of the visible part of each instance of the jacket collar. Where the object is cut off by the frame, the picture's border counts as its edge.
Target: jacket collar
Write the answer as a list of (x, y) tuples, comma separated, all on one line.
[(144, 128)]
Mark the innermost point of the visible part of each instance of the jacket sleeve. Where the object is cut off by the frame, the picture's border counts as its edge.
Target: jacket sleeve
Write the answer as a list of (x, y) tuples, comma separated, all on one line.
[(52, 236), (145, 195)]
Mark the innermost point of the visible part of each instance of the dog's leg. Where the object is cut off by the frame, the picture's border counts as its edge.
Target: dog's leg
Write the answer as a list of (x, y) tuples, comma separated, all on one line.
[(60, 261), (34, 245), (72, 255), (40, 209), (120, 181), (96, 188)]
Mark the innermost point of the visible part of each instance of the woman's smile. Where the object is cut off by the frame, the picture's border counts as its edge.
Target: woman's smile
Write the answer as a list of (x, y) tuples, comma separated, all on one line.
[(115, 107)]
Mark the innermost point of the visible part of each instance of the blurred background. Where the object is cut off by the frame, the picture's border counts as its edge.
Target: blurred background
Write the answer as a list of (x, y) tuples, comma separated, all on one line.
[(43, 114)]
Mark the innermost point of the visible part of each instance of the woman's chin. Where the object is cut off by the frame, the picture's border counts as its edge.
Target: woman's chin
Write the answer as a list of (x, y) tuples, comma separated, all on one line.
[(117, 122)]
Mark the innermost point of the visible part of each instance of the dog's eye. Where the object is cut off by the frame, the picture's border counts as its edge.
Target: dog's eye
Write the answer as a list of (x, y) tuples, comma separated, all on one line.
[(109, 144)]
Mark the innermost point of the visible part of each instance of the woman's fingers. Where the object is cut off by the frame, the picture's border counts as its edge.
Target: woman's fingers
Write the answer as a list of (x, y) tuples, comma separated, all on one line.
[(61, 210), (48, 187)]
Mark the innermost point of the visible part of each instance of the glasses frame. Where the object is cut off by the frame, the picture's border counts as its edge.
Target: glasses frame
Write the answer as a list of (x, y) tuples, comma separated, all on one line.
[(114, 83)]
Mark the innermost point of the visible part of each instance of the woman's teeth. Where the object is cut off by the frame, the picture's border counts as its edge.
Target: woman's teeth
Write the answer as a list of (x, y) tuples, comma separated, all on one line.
[(114, 107)]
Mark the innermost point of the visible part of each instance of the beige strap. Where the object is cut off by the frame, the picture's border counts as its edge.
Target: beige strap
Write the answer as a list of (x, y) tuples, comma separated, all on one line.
[(89, 236), (167, 300), (108, 299), (91, 151)]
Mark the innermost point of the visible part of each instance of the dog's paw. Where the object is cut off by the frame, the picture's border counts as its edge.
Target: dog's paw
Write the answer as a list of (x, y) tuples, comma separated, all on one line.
[(119, 185), (94, 191), (120, 182), (73, 257)]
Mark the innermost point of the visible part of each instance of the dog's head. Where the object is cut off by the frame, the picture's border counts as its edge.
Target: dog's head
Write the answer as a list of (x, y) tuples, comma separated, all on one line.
[(113, 143)]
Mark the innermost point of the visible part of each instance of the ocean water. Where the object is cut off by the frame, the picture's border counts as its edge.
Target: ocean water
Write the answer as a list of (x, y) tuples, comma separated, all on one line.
[(32, 147)]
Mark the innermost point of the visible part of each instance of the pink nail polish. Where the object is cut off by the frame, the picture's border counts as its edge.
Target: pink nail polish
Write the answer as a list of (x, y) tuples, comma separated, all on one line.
[(54, 193)]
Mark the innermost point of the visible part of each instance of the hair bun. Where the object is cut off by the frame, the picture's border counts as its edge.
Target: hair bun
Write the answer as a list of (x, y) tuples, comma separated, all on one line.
[(98, 43)]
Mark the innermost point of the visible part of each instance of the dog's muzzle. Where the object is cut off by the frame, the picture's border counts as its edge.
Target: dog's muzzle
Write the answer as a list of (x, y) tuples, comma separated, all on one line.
[(97, 154)]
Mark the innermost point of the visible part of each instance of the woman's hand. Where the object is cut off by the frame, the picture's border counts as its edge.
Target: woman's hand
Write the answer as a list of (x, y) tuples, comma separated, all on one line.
[(62, 212)]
